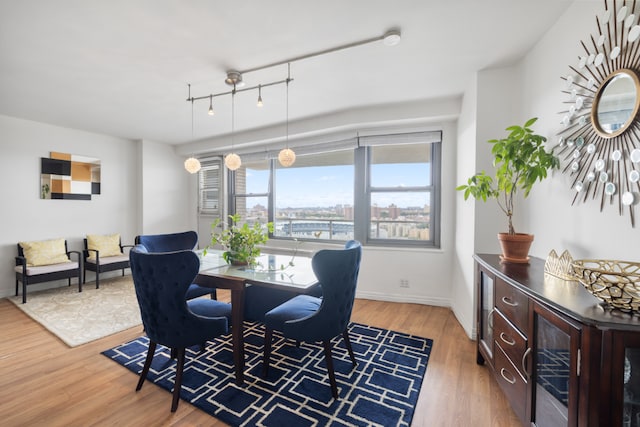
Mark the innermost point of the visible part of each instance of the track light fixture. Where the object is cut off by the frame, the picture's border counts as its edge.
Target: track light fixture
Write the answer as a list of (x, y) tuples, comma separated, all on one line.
[(234, 78)]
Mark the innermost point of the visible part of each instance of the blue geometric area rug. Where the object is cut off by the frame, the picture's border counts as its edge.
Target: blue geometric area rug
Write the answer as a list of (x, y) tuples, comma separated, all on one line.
[(381, 390)]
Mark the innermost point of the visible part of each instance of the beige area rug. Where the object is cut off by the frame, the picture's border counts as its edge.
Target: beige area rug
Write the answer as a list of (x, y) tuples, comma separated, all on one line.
[(81, 317)]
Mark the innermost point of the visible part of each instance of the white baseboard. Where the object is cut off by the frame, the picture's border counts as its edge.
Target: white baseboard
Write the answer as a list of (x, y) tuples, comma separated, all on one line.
[(379, 296)]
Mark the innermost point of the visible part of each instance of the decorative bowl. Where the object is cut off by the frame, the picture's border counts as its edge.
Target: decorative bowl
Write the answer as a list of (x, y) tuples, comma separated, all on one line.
[(617, 283)]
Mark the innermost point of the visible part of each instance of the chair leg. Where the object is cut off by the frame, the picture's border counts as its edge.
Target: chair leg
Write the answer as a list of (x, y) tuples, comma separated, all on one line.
[(178, 382), (268, 334), (347, 343), (84, 275), (329, 360), (147, 364), (214, 294), (24, 292), (16, 287), (98, 278)]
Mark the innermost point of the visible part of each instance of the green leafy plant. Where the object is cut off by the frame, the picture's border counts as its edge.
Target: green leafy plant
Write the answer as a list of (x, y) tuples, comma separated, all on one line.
[(520, 161), (240, 242)]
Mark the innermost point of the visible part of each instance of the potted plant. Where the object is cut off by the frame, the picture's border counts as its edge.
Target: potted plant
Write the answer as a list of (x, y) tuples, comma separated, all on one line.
[(240, 242), (520, 160)]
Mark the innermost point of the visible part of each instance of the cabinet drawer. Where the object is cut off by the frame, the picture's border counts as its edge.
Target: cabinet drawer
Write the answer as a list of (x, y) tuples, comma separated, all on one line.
[(512, 384), (509, 339), (512, 303)]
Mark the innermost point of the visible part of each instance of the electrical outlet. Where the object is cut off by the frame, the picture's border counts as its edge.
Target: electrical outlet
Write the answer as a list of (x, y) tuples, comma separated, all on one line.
[(404, 283)]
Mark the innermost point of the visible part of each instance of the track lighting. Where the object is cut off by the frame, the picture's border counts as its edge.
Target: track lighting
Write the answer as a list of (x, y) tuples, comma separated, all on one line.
[(234, 78)]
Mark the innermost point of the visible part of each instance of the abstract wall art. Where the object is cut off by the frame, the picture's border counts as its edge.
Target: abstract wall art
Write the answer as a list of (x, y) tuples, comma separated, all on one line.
[(70, 177)]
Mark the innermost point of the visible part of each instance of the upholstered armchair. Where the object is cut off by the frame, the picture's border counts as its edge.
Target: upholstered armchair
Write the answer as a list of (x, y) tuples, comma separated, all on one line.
[(104, 253), (161, 280), (45, 261), (184, 241), (309, 318)]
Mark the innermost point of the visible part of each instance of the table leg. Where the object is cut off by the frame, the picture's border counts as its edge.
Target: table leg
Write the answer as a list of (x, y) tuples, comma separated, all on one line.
[(237, 332)]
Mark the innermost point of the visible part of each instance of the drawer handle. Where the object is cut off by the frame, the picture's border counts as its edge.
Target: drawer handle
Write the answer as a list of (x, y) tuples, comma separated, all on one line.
[(506, 339), (524, 360), (511, 380), (508, 301)]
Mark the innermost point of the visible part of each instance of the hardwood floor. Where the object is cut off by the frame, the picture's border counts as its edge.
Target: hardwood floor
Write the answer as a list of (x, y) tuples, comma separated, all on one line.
[(45, 383)]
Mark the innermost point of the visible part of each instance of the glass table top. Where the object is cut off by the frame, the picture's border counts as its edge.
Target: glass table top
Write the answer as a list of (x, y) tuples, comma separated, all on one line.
[(270, 269)]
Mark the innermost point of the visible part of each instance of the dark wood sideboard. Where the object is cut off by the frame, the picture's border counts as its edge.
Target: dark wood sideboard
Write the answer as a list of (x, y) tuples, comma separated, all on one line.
[(560, 356)]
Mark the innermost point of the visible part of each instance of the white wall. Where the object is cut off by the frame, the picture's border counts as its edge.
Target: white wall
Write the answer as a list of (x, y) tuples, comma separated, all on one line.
[(583, 229), (462, 271), (166, 191), (24, 216)]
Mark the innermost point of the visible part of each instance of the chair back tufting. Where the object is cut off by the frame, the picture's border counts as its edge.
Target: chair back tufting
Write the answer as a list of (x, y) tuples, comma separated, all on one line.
[(337, 272), (184, 241), (161, 280)]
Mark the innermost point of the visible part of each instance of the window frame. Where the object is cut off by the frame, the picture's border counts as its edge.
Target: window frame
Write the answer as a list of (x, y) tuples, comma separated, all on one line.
[(206, 166), (433, 189), (362, 193)]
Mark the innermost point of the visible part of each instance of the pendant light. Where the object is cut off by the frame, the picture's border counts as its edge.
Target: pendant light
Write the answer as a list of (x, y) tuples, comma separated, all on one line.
[(287, 157), (211, 112), (232, 160), (192, 165), (260, 103)]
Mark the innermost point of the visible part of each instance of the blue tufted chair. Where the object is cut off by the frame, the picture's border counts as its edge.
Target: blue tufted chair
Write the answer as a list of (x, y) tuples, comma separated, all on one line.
[(184, 241), (160, 280), (309, 318)]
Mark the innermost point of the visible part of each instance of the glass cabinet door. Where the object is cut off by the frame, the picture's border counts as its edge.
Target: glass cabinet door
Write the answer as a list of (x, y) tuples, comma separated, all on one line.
[(485, 315), (625, 376), (631, 388), (555, 364)]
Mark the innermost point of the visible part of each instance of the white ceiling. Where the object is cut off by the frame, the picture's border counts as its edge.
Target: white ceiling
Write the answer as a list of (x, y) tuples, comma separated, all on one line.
[(121, 67)]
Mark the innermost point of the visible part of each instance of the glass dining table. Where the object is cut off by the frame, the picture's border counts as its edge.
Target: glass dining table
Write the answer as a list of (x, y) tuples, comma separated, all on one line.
[(272, 271)]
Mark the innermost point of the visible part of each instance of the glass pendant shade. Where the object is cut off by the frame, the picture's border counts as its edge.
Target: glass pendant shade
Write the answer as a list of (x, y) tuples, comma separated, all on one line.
[(232, 161), (192, 165), (286, 157)]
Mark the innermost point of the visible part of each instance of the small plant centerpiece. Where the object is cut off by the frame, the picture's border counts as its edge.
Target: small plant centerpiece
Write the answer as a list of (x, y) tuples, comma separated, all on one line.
[(520, 160), (240, 242)]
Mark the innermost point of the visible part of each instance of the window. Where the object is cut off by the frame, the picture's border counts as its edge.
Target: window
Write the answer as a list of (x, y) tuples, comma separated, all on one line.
[(384, 190), (209, 183), (401, 193), (249, 191), (313, 199)]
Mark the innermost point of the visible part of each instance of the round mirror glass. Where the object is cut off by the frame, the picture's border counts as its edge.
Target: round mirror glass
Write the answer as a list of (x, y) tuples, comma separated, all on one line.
[(616, 103)]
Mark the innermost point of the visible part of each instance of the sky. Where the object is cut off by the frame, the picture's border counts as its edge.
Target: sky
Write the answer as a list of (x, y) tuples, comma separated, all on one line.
[(328, 186)]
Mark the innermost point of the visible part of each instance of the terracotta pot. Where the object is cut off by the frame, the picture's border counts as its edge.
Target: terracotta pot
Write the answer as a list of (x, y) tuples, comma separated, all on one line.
[(515, 247)]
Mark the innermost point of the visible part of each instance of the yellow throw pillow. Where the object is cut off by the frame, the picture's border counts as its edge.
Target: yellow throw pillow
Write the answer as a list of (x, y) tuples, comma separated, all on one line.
[(44, 252), (107, 245)]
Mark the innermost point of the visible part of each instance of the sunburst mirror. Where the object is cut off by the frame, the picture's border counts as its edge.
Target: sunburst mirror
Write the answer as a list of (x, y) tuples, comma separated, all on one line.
[(599, 144)]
